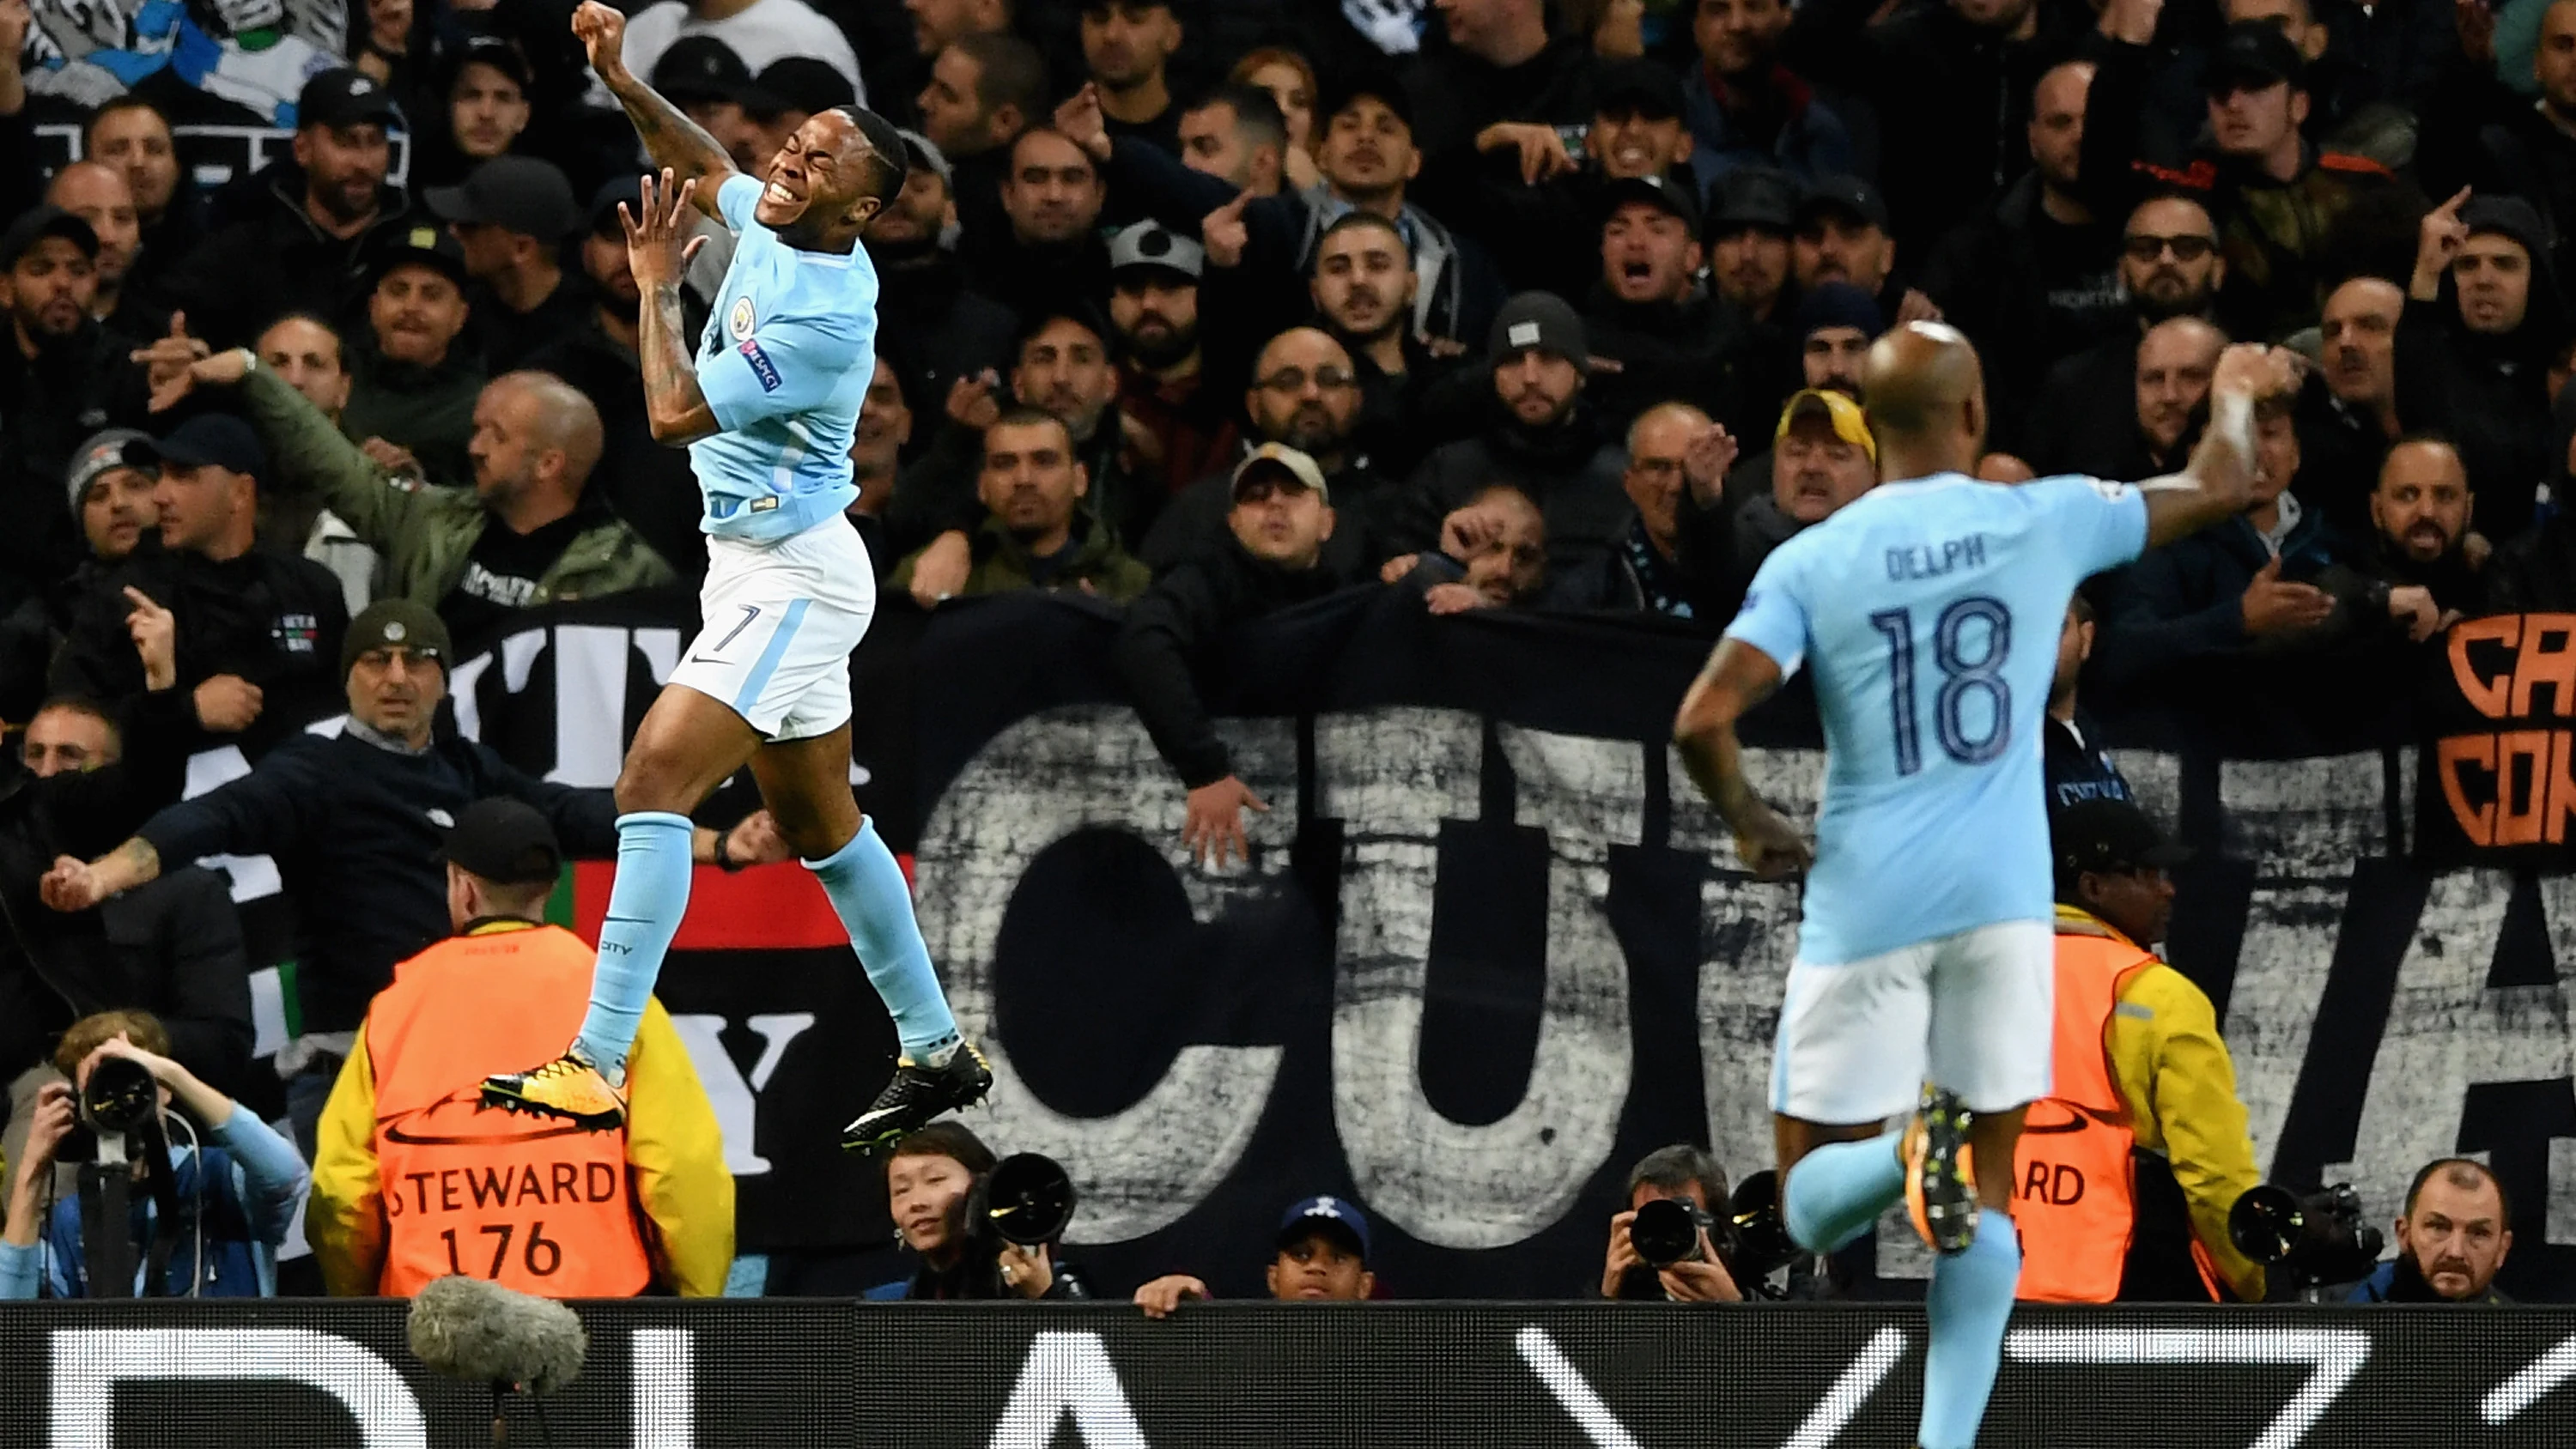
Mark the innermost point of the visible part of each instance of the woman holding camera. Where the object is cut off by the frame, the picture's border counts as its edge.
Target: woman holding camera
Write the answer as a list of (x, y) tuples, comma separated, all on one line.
[(234, 1193)]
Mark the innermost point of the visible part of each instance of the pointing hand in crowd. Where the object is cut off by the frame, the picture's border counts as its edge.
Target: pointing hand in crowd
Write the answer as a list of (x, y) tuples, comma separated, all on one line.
[(1225, 234), (156, 638), (2438, 239), (1542, 149), (1080, 119), (1706, 462)]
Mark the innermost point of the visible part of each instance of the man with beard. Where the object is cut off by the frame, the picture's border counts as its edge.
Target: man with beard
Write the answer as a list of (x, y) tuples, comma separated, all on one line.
[(2347, 425), (1126, 45), (530, 531), (1543, 440), (2420, 513), (2452, 1239), (1746, 108), (415, 381), (2034, 277), (98, 194), (644, 483), (1753, 211), (1035, 534), (1541, 213), (1063, 368), (936, 331), (1305, 395), (317, 225), (1236, 133), (131, 135), (110, 489), (62, 378), (2475, 368), (1362, 289), (1835, 325), (1648, 314), (2169, 267), (1181, 431), (1052, 196), (510, 218)]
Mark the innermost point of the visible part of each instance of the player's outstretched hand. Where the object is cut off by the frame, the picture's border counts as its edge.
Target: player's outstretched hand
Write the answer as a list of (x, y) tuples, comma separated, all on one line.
[(658, 245), (602, 32), (1771, 847)]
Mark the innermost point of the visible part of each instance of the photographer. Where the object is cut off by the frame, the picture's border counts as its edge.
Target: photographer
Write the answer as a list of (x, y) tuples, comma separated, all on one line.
[(236, 1195), (1684, 1174), (1323, 1252), (931, 1178), (2451, 1240)]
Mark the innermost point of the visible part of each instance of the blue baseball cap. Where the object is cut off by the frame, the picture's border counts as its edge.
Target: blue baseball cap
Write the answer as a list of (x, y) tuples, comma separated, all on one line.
[(1337, 1216)]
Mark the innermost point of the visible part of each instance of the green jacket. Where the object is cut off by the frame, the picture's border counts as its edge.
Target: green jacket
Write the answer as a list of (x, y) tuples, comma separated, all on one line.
[(1001, 563), (426, 533)]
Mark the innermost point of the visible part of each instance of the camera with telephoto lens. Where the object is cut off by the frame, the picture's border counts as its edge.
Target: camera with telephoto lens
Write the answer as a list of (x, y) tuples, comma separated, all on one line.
[(120, 1101), (2315, 1237), (1666, 1231), (1027, 1199), (1760, 1244)]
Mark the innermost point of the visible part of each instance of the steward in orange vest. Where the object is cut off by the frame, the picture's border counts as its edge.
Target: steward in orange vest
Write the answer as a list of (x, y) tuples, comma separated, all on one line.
[(2126, 1171), (414, 1182)]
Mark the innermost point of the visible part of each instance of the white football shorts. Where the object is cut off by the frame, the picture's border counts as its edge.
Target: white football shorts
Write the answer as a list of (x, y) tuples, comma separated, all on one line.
[(777, 622), (1970, 1013)]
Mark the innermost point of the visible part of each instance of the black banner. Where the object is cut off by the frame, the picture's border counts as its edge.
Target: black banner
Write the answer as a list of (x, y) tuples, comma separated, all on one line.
[(1490, 947), (301, 1375)]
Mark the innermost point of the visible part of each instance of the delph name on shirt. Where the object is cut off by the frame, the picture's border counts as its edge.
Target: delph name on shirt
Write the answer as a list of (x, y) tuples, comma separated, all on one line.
[(1931, 561)]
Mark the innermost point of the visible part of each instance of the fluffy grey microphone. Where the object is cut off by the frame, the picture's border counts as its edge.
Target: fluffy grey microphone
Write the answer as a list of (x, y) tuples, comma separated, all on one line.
[(482, 1332)]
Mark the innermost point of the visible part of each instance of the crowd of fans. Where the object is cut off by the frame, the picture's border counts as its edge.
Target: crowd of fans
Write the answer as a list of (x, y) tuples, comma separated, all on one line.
[(1199, 308)]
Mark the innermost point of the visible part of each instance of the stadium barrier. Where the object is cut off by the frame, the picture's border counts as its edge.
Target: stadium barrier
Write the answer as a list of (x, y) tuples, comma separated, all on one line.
[(308, 1375)]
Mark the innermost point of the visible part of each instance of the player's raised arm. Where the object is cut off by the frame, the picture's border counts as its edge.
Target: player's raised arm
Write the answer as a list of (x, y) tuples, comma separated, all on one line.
[(673, 140), (2214, 486), (658, 251), (1738, 677)]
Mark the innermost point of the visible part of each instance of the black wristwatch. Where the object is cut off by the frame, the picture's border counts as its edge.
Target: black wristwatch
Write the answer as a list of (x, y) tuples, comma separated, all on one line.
[(724, 855)]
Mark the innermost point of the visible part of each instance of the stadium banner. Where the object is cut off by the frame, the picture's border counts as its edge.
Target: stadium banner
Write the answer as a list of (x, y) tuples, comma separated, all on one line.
[(315, 1375), (1489, 947)]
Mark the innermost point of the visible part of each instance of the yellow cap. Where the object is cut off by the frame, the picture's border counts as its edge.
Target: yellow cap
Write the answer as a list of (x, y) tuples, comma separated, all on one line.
[(1845, 415)]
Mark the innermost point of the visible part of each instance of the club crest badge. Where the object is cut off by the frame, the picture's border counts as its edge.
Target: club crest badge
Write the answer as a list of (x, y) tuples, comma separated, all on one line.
[(741, 321)]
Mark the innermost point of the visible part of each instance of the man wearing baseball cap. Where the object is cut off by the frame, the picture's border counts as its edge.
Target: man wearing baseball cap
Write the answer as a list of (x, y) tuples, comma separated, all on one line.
[(510, 219), (1539, 208), (1322, 1256), (1649, 314), (303, 248), (656, 1204), (354, 821), (258, 628), (1543, 442), (2144, 1109), (1154, 309), (1822, 456), (1282, 515), (414, 386)]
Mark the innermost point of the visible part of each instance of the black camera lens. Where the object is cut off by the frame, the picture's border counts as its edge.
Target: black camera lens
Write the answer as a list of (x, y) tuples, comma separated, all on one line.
[(120, 1097), (1664, 1232)]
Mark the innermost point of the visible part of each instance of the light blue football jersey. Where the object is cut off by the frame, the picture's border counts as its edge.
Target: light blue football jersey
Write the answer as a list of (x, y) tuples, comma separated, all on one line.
[(784, 365), (1928, 613)]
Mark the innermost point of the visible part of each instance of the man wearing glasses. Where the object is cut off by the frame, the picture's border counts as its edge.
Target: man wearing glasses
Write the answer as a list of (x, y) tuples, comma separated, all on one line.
[(2169, 267)]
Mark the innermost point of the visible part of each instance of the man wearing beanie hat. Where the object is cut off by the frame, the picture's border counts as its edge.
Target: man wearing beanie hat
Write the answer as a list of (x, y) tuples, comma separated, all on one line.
[(354, 821), (1543, 441), (257, 629), (2474, 366), (110, 496)]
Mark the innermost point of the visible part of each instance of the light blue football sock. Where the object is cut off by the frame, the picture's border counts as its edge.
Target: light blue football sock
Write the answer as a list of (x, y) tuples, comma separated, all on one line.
[(1970, 1301), (1838, 1190), (875, 902), (645, 904)]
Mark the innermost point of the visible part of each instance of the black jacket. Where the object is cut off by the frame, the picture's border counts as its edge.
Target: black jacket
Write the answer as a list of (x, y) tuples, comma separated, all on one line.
[(1994, 281), (1193, 524), (1568, 469), (645, 483), (1456, 95), (273, 619), (2086, 416), (1170, 637), (47, 407), (2074, 765), (276, 261), (1683, 351), (354, 827), (2490, 394), (932, 330)]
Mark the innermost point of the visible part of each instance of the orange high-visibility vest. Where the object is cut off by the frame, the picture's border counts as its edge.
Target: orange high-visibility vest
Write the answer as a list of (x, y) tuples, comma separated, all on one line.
[(2074, 1194), (532, 1204)]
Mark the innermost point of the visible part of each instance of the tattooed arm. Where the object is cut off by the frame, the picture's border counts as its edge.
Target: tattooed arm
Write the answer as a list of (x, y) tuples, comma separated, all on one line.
[(674, 405), (677, 144)]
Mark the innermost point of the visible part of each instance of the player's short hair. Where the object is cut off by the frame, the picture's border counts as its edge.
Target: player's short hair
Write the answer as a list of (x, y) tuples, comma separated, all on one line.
[(887, 159), (1008, 71), (2465, 1173), (1676, 1168), (1257, 117)]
